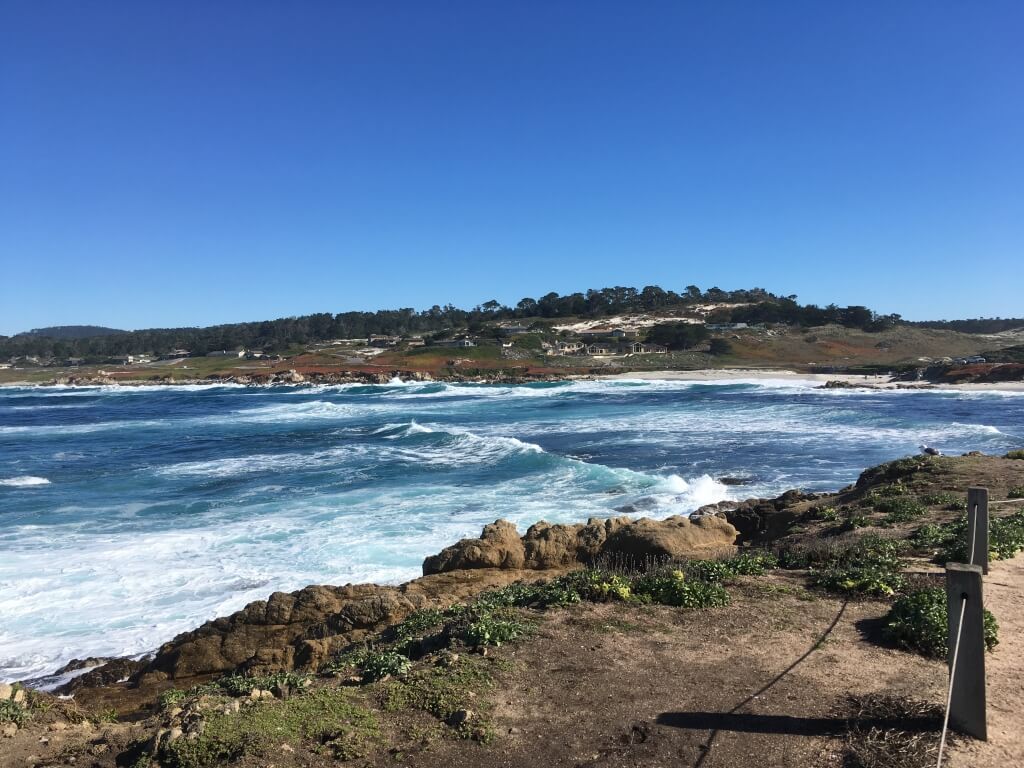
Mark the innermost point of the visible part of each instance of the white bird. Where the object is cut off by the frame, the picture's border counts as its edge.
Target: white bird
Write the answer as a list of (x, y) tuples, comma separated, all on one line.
[(930, 451)]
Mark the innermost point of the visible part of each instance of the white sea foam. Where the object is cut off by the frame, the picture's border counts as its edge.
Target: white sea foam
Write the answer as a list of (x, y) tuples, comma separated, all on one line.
[(25, 481)]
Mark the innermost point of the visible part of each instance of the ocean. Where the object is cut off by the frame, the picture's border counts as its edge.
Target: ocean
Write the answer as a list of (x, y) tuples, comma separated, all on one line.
[(128, 515)]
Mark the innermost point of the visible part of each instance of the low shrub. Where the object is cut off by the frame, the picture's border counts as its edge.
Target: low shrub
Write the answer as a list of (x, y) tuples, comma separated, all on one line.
[(872, 567), (1017, 492), (492, 629), (672, 587), (754, 563), (945, 499), (919, 621), (1014, 455), (376, 665)]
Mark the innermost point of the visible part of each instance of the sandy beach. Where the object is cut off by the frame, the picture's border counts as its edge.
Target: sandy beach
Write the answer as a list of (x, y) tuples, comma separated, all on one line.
[(874, 382)]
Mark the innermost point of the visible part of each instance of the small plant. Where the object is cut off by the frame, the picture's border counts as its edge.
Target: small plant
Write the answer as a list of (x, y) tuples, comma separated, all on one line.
[(1015, 455), (376, 665), (1017, 492), (828, 514), (490, 629), (171, 698), (243, 685), (12, 712), (919, 621), (106, 716)]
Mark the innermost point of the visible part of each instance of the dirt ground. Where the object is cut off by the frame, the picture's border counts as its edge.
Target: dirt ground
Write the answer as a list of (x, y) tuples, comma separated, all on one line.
[(762, 682)]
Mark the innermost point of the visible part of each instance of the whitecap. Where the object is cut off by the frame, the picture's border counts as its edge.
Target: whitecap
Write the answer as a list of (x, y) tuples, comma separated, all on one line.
[(25, 481)]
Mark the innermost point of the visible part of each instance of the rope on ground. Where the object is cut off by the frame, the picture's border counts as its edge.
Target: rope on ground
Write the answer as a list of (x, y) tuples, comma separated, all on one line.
[(952, 677), (1008, 501)]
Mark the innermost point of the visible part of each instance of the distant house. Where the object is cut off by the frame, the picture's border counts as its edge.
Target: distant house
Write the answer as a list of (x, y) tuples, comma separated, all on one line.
[(568, 347), (4, 366), (622, 333), (176, 354), (596, 332), (256, 354), (226, 353), (122, 359), (640, 348), (460, 343), (513, 330), (75, 361), (380, 340), (601, 349), (414, 342)]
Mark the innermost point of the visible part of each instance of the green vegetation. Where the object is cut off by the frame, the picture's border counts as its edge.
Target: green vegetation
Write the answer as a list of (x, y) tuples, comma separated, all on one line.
[(284, 333), (1017, 492), (332, 718), (1015, 455), (872, 567), (677, 336), (944, 499), (949, 540), (919, 621), (12, 712), (236, 685), (376, 665), (447, 693)]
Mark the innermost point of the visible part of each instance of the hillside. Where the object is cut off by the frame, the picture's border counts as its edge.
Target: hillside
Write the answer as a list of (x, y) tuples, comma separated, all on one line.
[(69, 332)]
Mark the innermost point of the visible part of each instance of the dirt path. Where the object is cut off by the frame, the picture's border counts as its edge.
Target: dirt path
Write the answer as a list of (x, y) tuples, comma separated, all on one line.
[(1004, 670)]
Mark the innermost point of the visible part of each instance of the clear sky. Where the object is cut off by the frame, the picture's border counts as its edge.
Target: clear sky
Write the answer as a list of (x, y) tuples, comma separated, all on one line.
[(194, 162)]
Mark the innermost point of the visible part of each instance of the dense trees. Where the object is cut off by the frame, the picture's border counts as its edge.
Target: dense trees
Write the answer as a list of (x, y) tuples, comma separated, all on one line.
[(678, 336), (279, 335)]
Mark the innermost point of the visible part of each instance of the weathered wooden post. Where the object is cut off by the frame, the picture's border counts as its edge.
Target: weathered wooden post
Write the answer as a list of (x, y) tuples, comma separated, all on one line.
[(977, 527), (966, 657)]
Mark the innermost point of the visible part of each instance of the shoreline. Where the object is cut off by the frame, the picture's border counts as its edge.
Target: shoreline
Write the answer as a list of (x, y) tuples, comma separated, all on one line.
[(848, 380), (843, 380)]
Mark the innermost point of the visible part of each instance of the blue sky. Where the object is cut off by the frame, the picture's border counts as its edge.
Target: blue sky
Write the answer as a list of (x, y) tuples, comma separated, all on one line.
[(188, 163)]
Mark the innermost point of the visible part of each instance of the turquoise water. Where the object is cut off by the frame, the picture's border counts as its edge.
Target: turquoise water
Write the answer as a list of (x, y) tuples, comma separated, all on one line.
[(130, 514)]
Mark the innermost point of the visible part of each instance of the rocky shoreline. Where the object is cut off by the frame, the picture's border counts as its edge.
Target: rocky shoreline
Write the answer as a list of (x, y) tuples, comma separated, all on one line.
[(298, 645)]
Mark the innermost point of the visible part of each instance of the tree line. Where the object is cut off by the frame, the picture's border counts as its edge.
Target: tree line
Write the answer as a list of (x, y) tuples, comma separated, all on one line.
[(284, 333)]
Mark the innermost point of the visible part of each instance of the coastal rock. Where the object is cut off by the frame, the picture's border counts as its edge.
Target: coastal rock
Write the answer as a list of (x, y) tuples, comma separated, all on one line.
[(676, 536), (759, 520), (499, 546), (547, 546)]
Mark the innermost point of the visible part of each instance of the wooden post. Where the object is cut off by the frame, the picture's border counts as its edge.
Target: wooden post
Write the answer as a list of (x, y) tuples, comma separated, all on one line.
[(967, 698), (977, 527)]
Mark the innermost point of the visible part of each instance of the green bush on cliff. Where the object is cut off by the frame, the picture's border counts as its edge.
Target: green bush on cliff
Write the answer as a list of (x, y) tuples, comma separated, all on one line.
[(1014, 455), (949, 540), (672, 587), (919, 621), (872, 567)]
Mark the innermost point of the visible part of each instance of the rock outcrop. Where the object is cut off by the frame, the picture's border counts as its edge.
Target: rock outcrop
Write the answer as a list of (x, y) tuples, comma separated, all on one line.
[(300, 630), (548, 546)]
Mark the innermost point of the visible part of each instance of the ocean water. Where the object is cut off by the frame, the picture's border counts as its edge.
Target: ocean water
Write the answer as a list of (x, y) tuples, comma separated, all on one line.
[(128, 515)]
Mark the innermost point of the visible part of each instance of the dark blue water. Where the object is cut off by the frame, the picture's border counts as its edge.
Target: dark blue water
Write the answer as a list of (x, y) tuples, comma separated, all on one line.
[(128, 515)]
